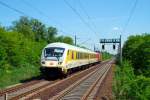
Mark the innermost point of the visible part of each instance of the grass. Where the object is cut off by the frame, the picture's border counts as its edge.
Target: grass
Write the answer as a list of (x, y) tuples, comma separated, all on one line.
[(106, 56), (128, 86), (13, 76)]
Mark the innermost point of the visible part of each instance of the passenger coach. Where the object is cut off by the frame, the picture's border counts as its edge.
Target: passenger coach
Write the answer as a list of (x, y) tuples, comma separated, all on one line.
[(64, 57)]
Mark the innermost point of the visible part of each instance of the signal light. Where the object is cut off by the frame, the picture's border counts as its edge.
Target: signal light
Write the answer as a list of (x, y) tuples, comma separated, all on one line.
[(103, 46), (114, 47)]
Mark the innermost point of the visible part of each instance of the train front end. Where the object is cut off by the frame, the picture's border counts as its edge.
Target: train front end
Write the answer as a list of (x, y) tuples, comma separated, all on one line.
[(52, 61)]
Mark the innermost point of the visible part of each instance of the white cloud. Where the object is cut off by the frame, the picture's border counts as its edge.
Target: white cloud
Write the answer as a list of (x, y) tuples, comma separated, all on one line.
[(116, 28)]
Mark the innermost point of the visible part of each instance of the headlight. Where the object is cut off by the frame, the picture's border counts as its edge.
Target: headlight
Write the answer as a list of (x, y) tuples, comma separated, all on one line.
[(43, 62), (59, 63)]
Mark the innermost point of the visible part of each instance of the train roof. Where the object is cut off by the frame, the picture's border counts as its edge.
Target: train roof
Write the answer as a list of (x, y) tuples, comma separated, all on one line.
[(68, 46)]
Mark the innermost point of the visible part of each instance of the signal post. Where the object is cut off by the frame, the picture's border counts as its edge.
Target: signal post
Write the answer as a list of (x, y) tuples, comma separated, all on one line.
[(113, 41)]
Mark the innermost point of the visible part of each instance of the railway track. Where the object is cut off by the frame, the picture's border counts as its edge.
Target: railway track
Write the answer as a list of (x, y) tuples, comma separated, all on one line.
[(57, 89), (54, 89), (86, 88), (25, 88), (14, 88)]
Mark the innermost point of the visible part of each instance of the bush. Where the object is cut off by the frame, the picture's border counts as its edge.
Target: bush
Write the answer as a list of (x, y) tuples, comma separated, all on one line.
[(137, 50), (21, 46), (127, 86), (13, 76), (106, 55)]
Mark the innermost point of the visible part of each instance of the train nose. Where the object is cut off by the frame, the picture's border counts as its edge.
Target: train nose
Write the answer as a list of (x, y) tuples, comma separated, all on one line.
[(49, 63)]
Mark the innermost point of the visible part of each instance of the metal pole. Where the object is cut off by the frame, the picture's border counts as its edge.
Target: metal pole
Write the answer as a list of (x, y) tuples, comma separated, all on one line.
[(120, 51), (75, 40), (5, 98)]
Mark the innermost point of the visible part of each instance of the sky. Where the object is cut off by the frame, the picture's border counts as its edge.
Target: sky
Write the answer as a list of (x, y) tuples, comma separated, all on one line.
[(89, 20)]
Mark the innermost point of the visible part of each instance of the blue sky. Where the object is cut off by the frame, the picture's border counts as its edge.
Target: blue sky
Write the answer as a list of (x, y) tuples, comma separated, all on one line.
[(107, 17)]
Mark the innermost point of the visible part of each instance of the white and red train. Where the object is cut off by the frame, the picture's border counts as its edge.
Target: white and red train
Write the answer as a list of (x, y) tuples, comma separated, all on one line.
[(64, 58)]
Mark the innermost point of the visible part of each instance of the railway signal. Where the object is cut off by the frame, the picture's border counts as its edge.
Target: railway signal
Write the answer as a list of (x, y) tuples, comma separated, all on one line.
[(114, 41), (114, 47), (103, 46)]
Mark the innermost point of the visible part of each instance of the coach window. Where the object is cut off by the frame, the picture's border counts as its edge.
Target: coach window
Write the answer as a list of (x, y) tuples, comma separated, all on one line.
[(72, 55), (79, 56), (68, 52), (75, 55), (86, 56), (68, 55), (83, 56)]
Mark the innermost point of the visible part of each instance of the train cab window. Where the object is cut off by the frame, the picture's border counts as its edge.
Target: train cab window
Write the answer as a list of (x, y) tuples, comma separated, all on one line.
[(54, 52)]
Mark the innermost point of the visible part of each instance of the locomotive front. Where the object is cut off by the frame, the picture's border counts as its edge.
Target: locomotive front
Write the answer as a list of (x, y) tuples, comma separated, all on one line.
[(52, 60)]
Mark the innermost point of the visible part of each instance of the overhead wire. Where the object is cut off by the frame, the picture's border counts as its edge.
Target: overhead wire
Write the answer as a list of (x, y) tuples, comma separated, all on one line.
[(86, 13), (130, 16), (43, 14), (12, 8), (81, 18), (23, 13), (85, 41)]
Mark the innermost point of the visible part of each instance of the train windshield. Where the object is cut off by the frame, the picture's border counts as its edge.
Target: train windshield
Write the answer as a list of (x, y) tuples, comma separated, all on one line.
[(54, 52)]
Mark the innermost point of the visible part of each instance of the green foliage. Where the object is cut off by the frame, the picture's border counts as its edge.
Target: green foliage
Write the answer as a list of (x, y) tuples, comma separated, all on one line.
[(21, 46), (14, 76), (51, 34), (18, 50), (137, 50), (132, 80), (23, 26), (106, 55), (67, 39), (128, 86), (64, 39)]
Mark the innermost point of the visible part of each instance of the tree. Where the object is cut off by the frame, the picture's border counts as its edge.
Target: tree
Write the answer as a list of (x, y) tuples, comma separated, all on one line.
[(51, 34), (142, 60), (38, 29), (59, 39), (137, 50), (23, 26), (68, 40)]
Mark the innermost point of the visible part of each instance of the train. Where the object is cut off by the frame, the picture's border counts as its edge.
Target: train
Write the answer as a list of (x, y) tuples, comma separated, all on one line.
[(64, 58)]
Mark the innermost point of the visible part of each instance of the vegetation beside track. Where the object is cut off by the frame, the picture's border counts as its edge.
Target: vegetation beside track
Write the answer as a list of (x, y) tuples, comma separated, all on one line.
[(106, 55), (132, 80), (20, 49)]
